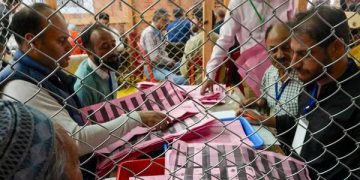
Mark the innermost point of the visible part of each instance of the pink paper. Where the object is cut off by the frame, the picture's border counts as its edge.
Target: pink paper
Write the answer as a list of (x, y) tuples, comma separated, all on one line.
[(229, 161), (230, 132), (177, 113), (157, 98), (152, 140), (183, 110), (145, 85), (252, 65), (193, 92)]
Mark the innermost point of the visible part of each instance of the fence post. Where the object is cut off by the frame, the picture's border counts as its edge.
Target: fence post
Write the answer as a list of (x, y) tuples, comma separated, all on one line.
[(208, 6), (52, 3), (301, 5)]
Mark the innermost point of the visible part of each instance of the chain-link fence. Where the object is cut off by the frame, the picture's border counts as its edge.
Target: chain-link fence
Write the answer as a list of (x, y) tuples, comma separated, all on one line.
[(171, 89)]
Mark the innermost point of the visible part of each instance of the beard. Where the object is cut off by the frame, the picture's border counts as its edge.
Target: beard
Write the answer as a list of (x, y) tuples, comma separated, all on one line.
[(111, 62)]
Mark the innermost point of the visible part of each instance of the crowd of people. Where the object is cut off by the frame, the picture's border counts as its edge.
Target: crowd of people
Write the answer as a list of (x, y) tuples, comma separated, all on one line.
[(309, 91)]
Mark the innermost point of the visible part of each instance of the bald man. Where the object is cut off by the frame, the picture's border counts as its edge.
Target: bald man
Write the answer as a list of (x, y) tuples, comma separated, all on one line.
[(280, 85), (36, 79)]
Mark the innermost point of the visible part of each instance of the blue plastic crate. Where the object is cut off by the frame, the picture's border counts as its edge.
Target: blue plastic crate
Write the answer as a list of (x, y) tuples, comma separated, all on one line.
[(249, 131)]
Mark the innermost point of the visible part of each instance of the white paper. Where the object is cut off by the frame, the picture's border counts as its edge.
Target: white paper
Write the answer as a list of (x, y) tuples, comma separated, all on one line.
[(300, 133)]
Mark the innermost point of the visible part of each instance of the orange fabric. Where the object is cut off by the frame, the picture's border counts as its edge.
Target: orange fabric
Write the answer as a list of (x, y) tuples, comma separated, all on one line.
[(192, 71), (73, 36)]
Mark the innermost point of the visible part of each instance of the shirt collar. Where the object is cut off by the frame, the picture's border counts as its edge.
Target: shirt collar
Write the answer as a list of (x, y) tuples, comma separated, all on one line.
[(103, 74)]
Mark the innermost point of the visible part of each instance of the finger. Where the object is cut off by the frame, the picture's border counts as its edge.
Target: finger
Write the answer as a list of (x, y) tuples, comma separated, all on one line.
[(203, 89), (162, 125), (211, 88), (239, 111), (243, 102), (249, 116)]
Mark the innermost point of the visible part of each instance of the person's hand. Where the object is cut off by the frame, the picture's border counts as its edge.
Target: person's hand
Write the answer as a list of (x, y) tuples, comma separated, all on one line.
[(207, 86), (153, 119), (246, 102), (171, 64), (254, 102), (255, 117)]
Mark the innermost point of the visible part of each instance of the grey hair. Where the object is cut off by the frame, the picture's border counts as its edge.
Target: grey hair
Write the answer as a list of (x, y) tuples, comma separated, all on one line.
[(160, 14), (59, 159)]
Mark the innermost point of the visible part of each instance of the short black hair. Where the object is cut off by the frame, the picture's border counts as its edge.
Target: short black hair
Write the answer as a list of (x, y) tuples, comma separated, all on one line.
[(104, 15), (198, 13), (323, 24), (29, 20), (159, 14), (87, 31), (178, 12), (267, 32)]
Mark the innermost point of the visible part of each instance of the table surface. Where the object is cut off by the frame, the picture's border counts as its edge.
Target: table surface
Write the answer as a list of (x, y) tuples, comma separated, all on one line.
[(232, 100)]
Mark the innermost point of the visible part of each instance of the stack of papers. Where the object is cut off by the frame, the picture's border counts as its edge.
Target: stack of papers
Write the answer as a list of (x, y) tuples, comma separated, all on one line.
[(193, 92), (224, 161)]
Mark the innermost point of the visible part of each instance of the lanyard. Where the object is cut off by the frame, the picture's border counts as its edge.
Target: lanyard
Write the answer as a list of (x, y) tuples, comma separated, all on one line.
[(311, 101), (261, 18), (282, 88)]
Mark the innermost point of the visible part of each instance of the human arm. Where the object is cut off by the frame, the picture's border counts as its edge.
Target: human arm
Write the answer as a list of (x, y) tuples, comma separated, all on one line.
[(89, 137), (83, 93), (256, 119), (255, 102), (221, 48), (226, 39)]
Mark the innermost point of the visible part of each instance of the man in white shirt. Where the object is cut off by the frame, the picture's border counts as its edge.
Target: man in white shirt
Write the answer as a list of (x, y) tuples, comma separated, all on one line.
[(246, 20)]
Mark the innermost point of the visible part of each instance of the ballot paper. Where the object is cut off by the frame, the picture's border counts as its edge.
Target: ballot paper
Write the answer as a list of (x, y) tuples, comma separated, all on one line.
[(177, 114), (193, 92), (157, 98), (136, 144), (224, 161), (145, 85), (230, 132)]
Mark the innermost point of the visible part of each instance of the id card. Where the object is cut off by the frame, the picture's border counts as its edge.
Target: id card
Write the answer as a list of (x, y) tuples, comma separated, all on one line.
[(300, 133)]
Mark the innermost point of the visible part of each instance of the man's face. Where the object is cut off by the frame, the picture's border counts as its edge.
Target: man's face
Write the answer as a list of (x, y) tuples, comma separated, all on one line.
[(53, 46), (195, 26), (308, 65), (162, 23), (103, 45), (278, 43), (104, 21)]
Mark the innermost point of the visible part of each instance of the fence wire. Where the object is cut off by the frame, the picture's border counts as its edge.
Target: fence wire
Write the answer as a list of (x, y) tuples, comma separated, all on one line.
[(124, 79)]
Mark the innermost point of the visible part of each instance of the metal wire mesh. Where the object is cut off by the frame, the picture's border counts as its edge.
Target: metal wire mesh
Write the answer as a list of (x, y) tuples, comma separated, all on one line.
[(168, 43)]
